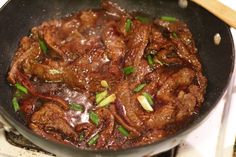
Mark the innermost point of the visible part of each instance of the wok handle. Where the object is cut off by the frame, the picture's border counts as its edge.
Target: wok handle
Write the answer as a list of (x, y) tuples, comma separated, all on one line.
[(221, 11)]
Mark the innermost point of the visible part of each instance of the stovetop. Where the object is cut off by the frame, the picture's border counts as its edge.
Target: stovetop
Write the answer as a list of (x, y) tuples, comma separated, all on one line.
[(18, 141)]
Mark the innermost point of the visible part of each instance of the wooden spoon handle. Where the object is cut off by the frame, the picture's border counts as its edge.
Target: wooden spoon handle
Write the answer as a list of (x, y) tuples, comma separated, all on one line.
[(223, 12)]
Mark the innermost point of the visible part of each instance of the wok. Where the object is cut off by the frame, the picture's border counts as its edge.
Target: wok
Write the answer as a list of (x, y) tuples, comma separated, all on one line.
[(19, 16)]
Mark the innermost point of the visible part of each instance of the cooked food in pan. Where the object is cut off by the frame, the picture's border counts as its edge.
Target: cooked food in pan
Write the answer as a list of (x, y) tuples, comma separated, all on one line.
[(107, 79)]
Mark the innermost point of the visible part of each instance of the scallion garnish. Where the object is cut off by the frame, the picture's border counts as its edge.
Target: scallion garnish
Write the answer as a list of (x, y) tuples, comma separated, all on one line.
[(55, 71), (19, 94), (15, 104), (174, 35), (149, 98), (150, 59), (104, 84), (128, 70), (168, 18), (139, 87), (107, 100), (81, 136), (94, 117), (123, 131), (143, 19), (159, 62), (144, 103), (93, 140), (76, 107), (100, 96), (43, 46), (128, 25), (21, 88)]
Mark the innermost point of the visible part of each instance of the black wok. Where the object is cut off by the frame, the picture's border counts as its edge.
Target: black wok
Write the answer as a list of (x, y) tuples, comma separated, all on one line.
[(19, 16)]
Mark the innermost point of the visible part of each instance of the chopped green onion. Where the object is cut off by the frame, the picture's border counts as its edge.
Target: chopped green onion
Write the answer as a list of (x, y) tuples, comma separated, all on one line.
[(149, 98), (15, 103), (174, 35), (123, 131), (76, 107), (139, 87), (93, 140), (104, 84), (21, 88), (128, 25), (143, 19), (107, 100), (128, 70), (168, 18), (144, 103), (159, 62), (94, 117), (100, 96), (19, 94), (55, 71), (43, 46), (81, 136), (150, 59)]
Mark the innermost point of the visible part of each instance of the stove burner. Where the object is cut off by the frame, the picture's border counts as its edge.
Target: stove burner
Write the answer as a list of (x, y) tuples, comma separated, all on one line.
[(20, 141)]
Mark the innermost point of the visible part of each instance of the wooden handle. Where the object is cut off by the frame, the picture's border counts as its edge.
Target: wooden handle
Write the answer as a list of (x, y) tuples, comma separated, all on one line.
[(223, 12)]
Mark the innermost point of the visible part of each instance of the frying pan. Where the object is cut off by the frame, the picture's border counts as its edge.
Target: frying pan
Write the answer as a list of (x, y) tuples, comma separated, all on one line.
[(19, 16)]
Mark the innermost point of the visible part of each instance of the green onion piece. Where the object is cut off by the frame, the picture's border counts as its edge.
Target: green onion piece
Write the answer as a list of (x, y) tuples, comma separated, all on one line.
[(107, 100), (43, 46), (104, 84), (15, 103), (123, 131), (21, 88), (144, 103), (18, 94), (81, 136), (168, 18), (174, 35), (55, 71), (93, 140), (94, 117), (128, 70), (150, 59), (149, 98), (143, 19), (139, 87), (159, 62), (128, 25), (76, 107), (100, 96)]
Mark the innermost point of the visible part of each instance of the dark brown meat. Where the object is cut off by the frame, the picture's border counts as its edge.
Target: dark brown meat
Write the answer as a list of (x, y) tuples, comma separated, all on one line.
[(24, 80), (28, 50), (181, 79), (65, 37), (114, 42), (137, 42), (50, 120), (88, 53)]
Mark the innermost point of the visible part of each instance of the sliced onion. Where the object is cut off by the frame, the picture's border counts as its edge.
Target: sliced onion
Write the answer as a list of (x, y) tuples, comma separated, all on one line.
[(107, 100), (144, 103), (104, 84)]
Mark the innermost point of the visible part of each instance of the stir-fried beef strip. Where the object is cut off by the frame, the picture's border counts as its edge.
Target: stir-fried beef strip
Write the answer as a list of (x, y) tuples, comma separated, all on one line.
[(107, 79)]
